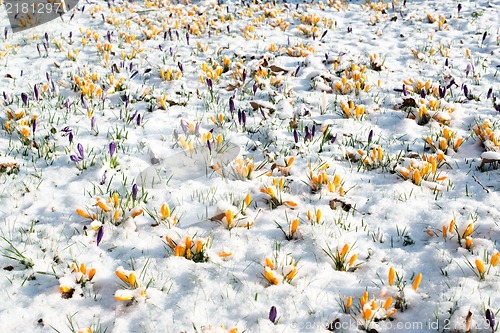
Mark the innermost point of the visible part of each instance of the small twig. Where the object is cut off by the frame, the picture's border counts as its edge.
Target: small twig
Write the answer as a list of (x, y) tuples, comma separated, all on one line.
[(477, 181)]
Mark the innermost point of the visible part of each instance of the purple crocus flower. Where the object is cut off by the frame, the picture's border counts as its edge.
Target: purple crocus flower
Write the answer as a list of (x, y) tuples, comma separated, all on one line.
[(422, 93), (490, 91), (262, 113), (295, 135), (24, 97), (100, 233), (244, 118), (70, 137), (187, 38), (209, 83), (446, 62), (92, 122), (38, 49), (467, 69), (334, 138), (135, 189), (273, 313), (228, 28), (405, 92), (138, 121), (34, 126), (466, 91), (209, 146), (459, 8), (490, 318), (239, 117), (244, 75), (74, 158), (35, 91), (184, 126), (80, 151), (254, 88), (231, 104), (112, 148), (442, 92), (484, 36), (134, 74), (370, 136), (103, 179), (180, 67)]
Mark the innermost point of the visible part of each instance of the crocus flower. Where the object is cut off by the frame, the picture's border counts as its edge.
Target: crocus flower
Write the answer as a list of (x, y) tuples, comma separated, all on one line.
[(272, 314), (370, 137), (112, 148), (391, 276), (490, 91), (490, 318), (459, 8), (24, 97), (100, 233), (417, 281), (134, 192), (231, 104), (80, 151), (468, 69)]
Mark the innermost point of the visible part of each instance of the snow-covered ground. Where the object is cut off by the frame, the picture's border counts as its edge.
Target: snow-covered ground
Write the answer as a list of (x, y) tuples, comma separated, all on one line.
[(252, 167)]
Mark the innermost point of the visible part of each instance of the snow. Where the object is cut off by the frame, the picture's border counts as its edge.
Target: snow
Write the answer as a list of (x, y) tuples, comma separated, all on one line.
[(225, 201)]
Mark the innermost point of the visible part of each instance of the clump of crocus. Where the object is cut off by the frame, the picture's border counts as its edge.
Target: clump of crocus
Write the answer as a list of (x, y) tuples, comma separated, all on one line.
[(316, 217), (373, 310), (231, 216), (300, 50), (353, 80), (318, 179), (219, 329), (112, 210), (283, 167), (398, 281), (424, 171), (351, 110), (372, 158), (170, 74), (276, 271), (275, 194), (341, 258), (79, 158), (488, 136), (77, 278), (479, 268), (425, 109), (444, 141), (131, 290), (187, 247)]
